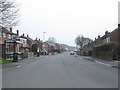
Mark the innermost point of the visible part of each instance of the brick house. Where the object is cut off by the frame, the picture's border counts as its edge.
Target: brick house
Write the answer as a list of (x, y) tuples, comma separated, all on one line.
[(29, 42), (115, 36), (105, 47), (115, 39), (49, 47), (87, 49), (98, 51), (8, 43), (27, 46), (39, 44)]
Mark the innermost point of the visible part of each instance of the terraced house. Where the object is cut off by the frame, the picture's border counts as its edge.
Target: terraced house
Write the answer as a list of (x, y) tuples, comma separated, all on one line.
[(105, 47)]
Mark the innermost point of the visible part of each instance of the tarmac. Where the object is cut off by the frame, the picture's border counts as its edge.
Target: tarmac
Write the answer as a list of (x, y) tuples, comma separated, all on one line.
[(111, 63)]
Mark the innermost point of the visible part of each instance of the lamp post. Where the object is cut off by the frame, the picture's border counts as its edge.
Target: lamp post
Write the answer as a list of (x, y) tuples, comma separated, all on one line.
[(43, 42), (44, 36)]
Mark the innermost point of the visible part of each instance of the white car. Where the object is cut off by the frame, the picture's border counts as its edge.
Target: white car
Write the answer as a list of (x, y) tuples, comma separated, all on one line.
[(72, 53)]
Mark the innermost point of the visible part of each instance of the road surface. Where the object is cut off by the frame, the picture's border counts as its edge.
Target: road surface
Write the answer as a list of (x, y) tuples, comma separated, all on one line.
[(60, 71)]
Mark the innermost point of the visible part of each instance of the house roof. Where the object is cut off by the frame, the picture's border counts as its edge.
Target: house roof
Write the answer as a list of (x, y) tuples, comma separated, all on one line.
[(28, 38), (50, 43), (6, 30), (106, 35), (117, 29)]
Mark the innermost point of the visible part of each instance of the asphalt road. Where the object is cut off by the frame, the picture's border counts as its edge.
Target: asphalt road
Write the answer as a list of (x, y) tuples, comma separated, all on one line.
[(60, 71)]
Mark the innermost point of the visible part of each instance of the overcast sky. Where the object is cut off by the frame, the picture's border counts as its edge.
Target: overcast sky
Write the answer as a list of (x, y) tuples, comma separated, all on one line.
[(66, 19)]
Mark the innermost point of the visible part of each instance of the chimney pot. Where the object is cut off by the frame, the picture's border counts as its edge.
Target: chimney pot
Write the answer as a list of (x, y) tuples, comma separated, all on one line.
[(10, 29), (118, 25), (17, 32), (23, 34), (106, 32), (27, 35), (98, 36)]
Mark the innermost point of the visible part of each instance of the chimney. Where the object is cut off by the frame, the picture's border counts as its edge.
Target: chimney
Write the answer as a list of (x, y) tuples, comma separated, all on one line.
[(118, 25), (36, 39), (95, 38), (17, 32), (98, 36), (39, 39), (10, 29), (27, 35), (106, 32), (23, 34)]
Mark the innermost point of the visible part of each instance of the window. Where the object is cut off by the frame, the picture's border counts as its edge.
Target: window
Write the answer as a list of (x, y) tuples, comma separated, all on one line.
[(4, 35), (9, 48), (13, 37), (106, 40), (17, 48), (9, 36), (0, 34), (24, 41)]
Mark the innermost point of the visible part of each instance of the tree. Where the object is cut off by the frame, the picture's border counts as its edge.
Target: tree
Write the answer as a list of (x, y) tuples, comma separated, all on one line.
[(88, 40), (52, 40), (81, 41), (8, 13), (34, 48)]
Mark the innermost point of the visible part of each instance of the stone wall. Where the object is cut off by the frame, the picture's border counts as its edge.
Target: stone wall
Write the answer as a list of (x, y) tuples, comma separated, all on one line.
[(30, 54)]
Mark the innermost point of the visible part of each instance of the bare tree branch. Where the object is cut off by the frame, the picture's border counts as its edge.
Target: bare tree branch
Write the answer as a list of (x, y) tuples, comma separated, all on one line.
[(81, 41), (52, 40), (8, 13)]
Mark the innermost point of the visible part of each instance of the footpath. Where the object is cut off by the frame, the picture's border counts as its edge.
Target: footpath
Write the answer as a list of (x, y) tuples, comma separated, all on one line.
[(112, 63), (21, 62)]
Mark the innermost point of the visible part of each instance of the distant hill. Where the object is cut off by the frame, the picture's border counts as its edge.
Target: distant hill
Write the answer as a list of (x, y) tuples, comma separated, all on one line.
[(68, 47), (65, 46)]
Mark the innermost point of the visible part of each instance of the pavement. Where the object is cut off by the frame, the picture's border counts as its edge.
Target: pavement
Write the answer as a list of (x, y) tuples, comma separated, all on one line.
[(21, 62), (60, 71), (111, 63)]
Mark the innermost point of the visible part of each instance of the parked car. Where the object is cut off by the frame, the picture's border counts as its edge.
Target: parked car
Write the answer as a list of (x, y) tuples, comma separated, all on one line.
[(72, 52), (44, 52)]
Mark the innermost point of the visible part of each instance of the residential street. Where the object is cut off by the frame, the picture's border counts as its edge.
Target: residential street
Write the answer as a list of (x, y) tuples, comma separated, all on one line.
[(60, 71)]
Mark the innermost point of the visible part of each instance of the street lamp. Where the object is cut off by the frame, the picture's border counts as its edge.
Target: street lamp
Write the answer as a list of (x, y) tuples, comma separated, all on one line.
[(44, 42), (44, 36)]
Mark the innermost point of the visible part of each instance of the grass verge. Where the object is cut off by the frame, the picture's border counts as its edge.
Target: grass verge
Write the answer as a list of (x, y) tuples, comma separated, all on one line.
[(2, 61)]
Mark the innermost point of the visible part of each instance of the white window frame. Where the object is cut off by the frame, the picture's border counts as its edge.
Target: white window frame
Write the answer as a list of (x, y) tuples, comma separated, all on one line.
[(0, 34), (4, 35)]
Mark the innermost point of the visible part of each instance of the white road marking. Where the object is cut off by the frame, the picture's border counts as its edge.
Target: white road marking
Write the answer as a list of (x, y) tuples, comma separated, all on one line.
[(103, 63), (116, 61), (18, 66)]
